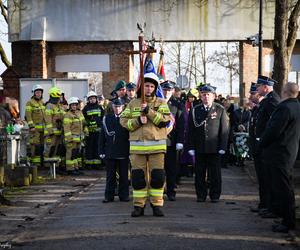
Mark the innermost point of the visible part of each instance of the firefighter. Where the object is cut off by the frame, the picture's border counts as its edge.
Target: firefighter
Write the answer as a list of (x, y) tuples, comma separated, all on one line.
[(93, 114), (146, 123), (54, 115), (73, 123), (35, 117)]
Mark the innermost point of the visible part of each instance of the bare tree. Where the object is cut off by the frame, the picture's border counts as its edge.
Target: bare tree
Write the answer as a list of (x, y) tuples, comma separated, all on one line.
[(4, 59), (187, 59), (287, 14), (228, 58)]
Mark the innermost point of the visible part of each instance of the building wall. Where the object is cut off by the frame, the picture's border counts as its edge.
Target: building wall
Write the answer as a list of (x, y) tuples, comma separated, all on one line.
[(116, 20), (36, 59), (249, 65)]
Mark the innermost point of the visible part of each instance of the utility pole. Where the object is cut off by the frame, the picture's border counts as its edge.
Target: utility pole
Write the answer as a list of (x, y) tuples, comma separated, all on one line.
[(260, 40)]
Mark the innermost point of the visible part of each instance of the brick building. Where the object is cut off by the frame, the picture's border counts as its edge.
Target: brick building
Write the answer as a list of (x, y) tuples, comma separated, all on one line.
[(42, 33)]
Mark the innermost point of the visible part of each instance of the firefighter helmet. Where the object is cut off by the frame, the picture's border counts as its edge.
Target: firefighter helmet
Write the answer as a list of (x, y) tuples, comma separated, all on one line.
[(90, 94), (55, 92), (73, 100), (151, 77), (193, 93), (37, 87)]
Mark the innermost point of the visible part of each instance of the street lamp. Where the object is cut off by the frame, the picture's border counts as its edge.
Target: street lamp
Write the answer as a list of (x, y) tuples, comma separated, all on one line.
[(256, 40)]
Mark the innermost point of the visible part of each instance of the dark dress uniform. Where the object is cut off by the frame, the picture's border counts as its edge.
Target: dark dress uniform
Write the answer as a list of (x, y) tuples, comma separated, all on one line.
[(265, 110), (280, 143), (114, 144), (208, 134), (241, 117), (175, 136), (93, 114), (257, 159)]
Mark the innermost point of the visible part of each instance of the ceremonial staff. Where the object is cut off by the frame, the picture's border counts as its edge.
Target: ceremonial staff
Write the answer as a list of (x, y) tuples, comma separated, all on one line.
[(143, 49)]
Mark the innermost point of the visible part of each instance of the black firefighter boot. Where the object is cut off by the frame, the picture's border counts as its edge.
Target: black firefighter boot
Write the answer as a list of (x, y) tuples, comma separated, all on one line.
[(157, 211), (137, 212)]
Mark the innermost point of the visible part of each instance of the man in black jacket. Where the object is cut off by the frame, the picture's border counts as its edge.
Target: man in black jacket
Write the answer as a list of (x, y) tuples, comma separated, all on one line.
[(175, 138), (265, 110), (114, 148), (255, 98), (208, 135), (280, 142)]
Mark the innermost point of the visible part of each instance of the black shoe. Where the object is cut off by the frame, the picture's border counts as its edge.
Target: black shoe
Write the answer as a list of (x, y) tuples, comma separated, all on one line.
[(157, 211), (201, 199), (214, 200), (263, 211), (254, 209), (124, 199), (269, 215), (137, 212), (107, 200), (171, 197), (280, 228)]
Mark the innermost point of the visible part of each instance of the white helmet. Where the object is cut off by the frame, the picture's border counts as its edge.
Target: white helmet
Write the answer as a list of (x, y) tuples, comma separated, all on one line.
[(37, 87), (73, 100), (90, 94), (151, 77)]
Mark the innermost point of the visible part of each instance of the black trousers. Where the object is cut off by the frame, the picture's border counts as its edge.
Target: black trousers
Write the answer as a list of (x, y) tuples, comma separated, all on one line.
[(112, 165), (282, 193), (172, 169), (266, 167), (262, 188), (92, 148), (208, 165)]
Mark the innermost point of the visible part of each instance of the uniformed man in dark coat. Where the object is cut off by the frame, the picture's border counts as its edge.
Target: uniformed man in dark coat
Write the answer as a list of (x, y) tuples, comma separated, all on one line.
[(130, 91), (114, 149), (119, 92), (175, 138), (265, 110), (280, 143), (255, 98), (208, 135)]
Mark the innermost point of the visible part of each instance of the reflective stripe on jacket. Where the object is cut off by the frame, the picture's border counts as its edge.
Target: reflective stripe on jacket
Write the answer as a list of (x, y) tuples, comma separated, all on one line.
[(54, 115), (150, 137), (35, 114), (74, 126)]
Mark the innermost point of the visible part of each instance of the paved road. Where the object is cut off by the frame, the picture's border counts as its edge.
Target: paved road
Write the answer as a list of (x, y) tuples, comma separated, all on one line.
[(84, 222)]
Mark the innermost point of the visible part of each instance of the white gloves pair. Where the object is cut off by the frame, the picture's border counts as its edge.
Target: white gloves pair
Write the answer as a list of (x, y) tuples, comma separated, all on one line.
[(179, 146), (192, 152), (102, 156)]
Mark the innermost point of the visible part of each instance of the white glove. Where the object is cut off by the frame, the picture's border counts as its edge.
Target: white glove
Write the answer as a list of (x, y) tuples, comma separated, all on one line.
[(191, 152), (179, 146), (102, 156), (221, 152)]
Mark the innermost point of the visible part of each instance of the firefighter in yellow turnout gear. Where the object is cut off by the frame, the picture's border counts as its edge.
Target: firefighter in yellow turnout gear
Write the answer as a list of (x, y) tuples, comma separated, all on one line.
[(35, 117), (147, 123), (74, 129), (54, 115)]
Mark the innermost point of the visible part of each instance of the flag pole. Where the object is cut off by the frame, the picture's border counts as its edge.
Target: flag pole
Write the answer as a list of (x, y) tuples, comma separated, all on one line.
[(141, 49)]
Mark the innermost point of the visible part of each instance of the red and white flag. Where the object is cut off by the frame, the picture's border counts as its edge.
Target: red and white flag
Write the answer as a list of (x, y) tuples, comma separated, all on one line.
[(161, 68)]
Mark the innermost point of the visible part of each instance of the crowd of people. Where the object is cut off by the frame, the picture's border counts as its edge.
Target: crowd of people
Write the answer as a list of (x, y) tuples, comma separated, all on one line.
[(150, 142)]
